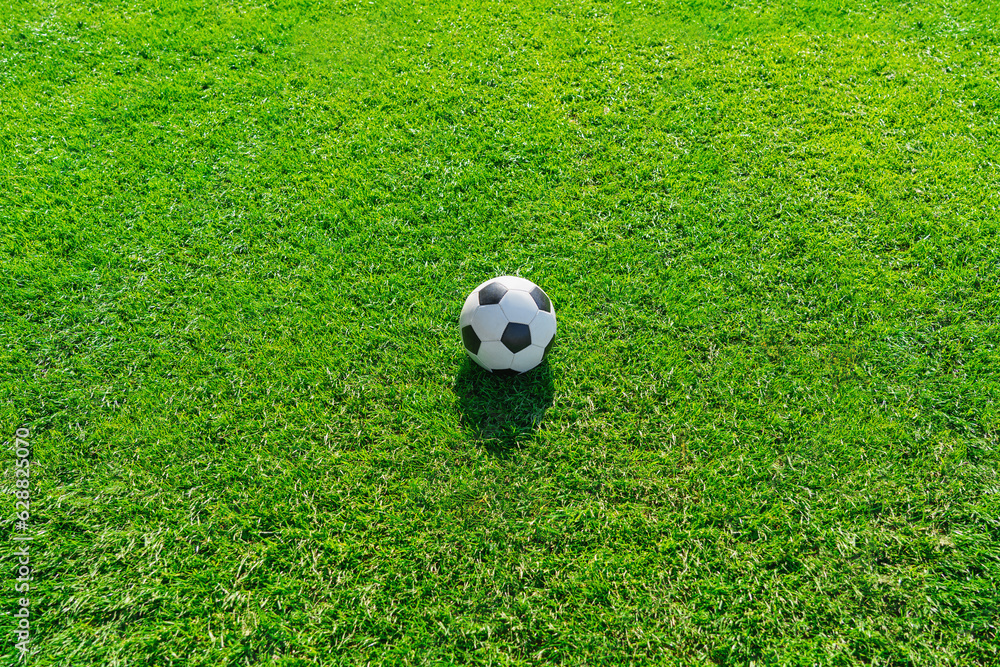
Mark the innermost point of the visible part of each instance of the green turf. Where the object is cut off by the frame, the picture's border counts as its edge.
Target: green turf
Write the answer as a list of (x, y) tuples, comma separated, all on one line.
[(236, 238)]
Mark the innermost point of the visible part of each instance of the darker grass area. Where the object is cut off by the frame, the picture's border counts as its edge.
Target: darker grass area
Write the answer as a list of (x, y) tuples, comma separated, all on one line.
[(500, 410), (236, 239)]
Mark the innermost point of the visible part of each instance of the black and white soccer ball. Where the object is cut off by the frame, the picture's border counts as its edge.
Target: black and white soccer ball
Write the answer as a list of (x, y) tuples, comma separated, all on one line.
[(508, 324)]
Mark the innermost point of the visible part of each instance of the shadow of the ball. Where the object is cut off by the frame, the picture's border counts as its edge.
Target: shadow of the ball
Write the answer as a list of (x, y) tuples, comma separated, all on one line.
[(502, 410)]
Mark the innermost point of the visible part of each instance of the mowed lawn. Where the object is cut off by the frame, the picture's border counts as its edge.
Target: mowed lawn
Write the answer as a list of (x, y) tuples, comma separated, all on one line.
[(236, 238)]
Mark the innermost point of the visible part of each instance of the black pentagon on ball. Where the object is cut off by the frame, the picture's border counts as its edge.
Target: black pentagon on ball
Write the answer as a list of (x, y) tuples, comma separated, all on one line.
[(516, 337), (491, 294), (541, 299), (470, 339), (549, 345), (505, 372)]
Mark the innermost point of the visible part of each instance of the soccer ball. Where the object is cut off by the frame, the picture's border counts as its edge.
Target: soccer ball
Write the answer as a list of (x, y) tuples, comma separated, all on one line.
[(508, 324)]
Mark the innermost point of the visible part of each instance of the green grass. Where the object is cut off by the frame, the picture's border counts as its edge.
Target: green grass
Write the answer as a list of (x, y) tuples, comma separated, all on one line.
[(236, 238)]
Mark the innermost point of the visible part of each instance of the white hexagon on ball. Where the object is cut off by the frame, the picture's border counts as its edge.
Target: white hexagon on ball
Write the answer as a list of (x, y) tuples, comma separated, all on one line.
[(527, 358), (469, 309), (518, 283), (489, 322), (494, 355), (543, 328), (508, 324), (518, 306)]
